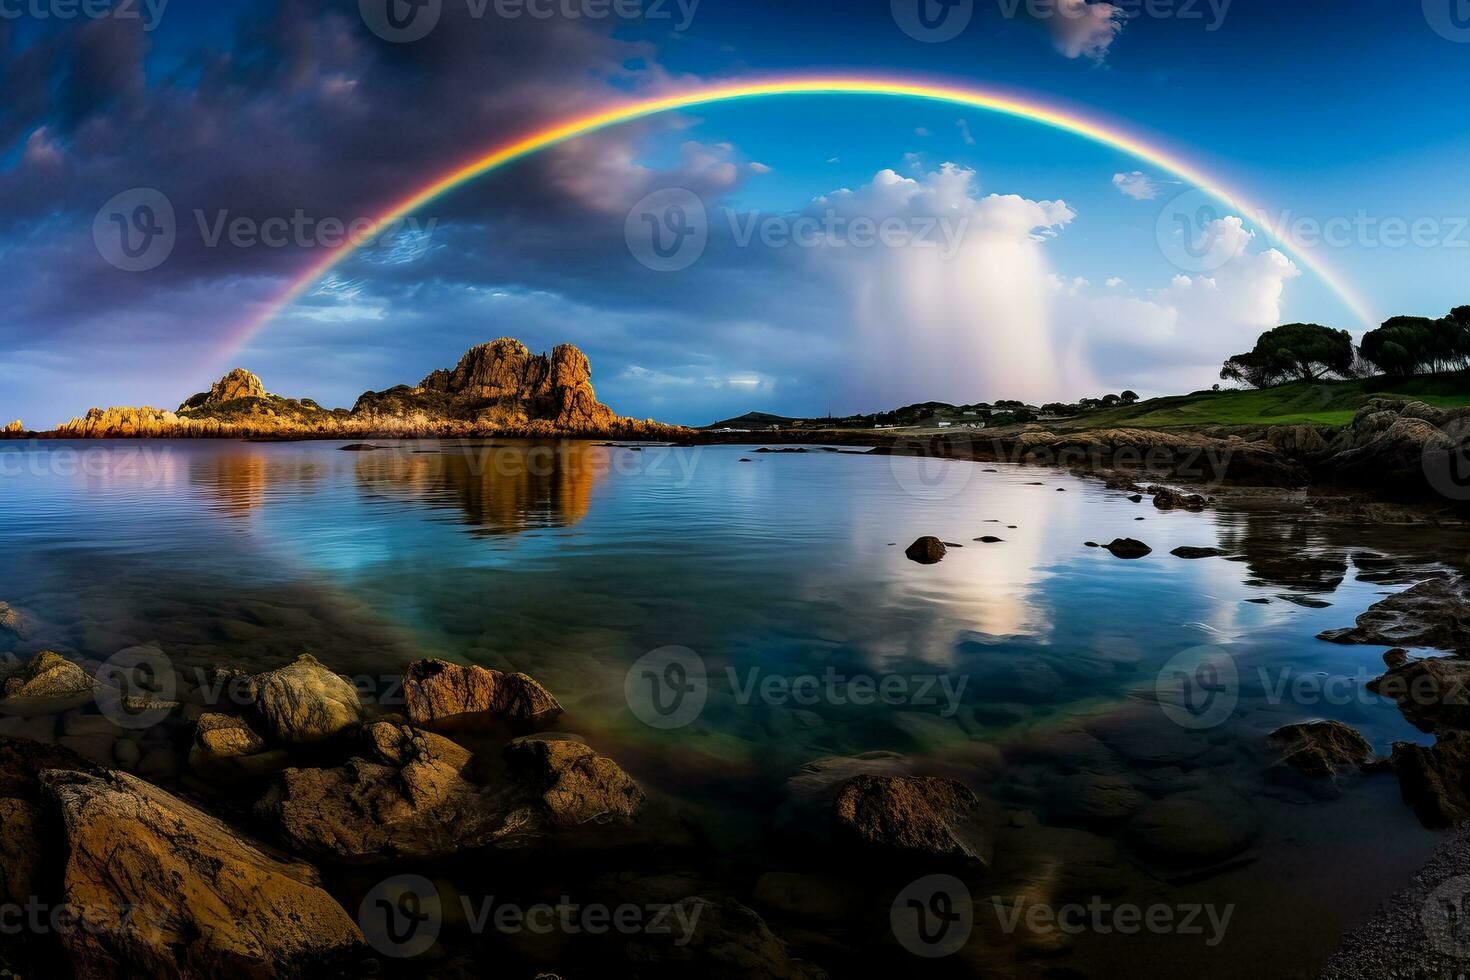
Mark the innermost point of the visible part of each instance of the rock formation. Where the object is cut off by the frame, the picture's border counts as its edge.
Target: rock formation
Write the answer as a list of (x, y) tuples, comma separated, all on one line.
[(435, 690), (499, 387)]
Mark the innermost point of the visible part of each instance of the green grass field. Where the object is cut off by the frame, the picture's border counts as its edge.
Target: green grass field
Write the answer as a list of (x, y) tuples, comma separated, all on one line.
[(1324, 403)]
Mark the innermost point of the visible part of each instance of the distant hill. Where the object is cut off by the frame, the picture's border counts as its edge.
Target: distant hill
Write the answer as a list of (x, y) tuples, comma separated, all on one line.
[(754, 420)]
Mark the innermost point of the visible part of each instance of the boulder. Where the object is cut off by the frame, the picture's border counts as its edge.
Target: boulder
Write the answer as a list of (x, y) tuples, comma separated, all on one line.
[(166, 890), (223, 736), (1435, 781), (435, 690), (1128, 549), (914, 817), (1433, 694), (576, 785), (413, 801), (1435, 613), (926, 551), (48, 675), (1322, 749), (304, 702)]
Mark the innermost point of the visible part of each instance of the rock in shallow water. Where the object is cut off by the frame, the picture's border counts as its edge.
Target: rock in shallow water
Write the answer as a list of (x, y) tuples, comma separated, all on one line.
[(1322, 748), (170, 891), (435, 690), (926, 551), (1128, 548), (304, 702), (577, 785), (1431, 614), (914, 816), (48, 675)]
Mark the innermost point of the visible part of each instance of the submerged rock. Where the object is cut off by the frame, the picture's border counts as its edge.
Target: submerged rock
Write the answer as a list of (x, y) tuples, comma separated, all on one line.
[(1194, 831), (718, 939), (435, 690), (167, 890), (10, 619), (926, 551), (304, 702), (1322, 748), (48, 675), (914, 817), (576, 785)]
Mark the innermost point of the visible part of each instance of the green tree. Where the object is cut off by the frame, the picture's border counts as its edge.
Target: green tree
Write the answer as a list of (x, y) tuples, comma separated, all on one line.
[(1407, 345), (1293, 352)]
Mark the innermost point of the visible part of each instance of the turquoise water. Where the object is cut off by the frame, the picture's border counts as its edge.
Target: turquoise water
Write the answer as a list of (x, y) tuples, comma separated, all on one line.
[(572, 562)]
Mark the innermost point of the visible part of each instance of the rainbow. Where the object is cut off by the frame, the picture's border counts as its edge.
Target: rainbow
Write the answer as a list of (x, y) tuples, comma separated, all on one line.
[(974, 97)]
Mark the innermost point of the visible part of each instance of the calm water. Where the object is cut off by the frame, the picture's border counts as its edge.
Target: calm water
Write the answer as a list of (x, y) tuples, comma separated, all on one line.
[(572, 562)]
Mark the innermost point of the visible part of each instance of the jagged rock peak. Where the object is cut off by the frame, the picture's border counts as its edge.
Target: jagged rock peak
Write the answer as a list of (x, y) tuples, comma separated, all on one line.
[(239, 383)]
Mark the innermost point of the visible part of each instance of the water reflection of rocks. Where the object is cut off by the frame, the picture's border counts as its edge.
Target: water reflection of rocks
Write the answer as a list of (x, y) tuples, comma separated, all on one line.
[(500, 488)]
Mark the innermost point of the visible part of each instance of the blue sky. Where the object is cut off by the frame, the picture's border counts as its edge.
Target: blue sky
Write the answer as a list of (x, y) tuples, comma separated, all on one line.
[(1060, 284)]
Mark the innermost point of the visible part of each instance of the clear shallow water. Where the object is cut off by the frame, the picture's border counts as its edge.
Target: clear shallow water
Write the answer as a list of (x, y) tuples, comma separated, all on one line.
[(571, 562)]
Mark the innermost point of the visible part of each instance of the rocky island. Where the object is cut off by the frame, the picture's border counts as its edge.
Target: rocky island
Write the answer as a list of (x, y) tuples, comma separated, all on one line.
[(498, 388)]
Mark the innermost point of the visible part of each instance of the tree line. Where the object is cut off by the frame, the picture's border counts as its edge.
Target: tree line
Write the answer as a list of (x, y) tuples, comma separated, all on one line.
[(1402, 347)]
